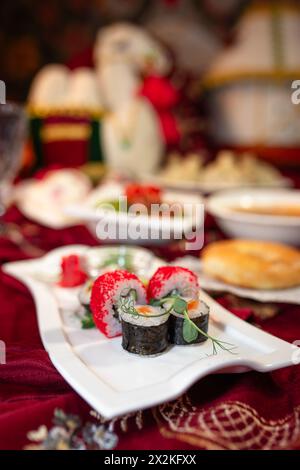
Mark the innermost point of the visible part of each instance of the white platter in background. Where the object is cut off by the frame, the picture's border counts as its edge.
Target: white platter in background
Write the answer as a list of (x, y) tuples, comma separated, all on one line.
[(43, 200), (114, 381), (206, 188), (165, 229)]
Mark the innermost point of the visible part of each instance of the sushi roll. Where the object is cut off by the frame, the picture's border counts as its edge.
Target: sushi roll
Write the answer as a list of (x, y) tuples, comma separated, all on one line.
[(176, 290), (173, 280), (84, 298), (198, 312), (145, 330), (107, 291)]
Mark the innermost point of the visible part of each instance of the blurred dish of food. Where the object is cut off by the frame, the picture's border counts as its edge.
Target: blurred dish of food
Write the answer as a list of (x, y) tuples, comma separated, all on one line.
[(252, 264), (139, 213), (228, 170), (43, 200), (261, 214)]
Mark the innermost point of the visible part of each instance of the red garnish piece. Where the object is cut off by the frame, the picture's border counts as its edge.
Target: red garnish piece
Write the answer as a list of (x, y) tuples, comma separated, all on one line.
[(72, 271), (143, 194)]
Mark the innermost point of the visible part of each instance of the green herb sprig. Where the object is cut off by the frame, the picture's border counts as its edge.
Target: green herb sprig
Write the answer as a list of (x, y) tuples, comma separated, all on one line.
[(190, 329), (127, 305), (189, 324)]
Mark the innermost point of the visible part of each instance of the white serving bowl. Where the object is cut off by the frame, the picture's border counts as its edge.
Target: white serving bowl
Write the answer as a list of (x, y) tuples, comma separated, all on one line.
[(277, 228)]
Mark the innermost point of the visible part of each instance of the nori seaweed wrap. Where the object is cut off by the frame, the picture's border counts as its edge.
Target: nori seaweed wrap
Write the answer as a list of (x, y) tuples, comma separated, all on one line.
[(198, 312), (145, 332)]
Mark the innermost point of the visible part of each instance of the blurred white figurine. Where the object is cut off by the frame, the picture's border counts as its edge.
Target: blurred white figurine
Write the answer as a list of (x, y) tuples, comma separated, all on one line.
[(131, 135), (132, 138), (49, 86), (56, 87)]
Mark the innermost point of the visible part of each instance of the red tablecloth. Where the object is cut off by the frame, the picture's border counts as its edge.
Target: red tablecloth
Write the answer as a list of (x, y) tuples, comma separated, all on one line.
[(241, 411)]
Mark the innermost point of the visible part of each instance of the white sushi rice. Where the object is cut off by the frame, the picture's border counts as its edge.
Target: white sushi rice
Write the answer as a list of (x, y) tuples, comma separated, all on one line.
[(113, 323), (181, 283), (85, 292), (155, 317)]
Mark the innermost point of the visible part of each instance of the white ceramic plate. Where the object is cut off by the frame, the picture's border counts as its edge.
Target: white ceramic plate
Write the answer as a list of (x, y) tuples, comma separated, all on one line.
[(142, 229), (284, 229), (114, 381), (43, 200)]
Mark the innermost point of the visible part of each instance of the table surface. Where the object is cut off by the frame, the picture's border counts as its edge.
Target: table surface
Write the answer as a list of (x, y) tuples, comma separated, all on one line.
[(234, 411)]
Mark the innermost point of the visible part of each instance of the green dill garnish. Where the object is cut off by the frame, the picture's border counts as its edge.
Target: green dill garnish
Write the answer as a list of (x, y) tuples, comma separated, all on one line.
[(127, 305), (190, 329), (215, 342)]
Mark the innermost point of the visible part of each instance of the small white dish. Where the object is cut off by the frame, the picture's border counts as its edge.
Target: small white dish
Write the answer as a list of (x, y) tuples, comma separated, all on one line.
[(43, 200), (115, 382), (239, 224), (142, 229)]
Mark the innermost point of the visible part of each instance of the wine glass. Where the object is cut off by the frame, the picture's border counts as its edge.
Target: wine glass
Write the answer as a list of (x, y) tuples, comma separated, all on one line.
[(12, 135)]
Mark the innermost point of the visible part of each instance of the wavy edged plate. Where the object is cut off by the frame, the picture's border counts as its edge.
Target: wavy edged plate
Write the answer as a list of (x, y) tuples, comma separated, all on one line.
[(114, 381)]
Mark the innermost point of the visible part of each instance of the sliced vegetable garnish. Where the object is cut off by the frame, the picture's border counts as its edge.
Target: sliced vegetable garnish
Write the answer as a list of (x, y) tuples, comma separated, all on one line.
[(189, 332), (87, 321)]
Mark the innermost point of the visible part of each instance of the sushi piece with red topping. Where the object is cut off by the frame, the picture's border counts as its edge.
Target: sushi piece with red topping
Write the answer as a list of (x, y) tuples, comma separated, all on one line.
[(176, 290), (173, 280), (107, 291)]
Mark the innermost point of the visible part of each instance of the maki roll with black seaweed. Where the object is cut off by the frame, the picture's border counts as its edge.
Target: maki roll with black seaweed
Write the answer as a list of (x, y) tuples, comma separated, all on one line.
[(176, 290), (181, 331), (107, 292), (145, 329)]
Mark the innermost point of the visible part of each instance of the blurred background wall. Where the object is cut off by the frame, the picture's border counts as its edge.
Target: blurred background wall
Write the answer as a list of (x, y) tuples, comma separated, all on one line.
[(34, 32)]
